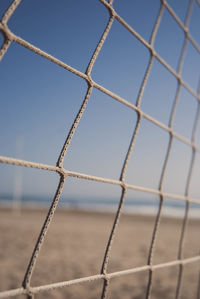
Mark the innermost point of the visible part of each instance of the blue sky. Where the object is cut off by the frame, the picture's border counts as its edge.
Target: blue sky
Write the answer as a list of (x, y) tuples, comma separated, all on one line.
[(39, 100)]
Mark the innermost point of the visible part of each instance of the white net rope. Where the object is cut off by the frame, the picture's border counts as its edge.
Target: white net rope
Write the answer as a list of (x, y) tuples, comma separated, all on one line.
[(10, 37)]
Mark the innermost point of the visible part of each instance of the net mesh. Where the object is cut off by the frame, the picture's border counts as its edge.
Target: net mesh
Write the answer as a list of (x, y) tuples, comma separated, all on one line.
[(10, 37)]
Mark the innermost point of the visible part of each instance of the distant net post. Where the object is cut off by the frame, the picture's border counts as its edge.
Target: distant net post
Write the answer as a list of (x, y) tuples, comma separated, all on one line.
[(17, 190)]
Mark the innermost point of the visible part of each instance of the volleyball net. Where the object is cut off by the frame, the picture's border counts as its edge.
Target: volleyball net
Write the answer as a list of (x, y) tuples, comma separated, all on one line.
[(150, 267)]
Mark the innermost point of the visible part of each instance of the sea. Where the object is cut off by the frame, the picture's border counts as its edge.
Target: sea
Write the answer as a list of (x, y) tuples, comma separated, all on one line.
[(139, 206)]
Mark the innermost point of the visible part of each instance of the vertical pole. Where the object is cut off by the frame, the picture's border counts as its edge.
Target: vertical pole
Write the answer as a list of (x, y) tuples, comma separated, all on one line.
[(17, 189)]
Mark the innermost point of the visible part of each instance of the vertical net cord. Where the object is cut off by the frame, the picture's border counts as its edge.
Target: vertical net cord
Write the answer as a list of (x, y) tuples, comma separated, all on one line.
[(43, 232), (161, 203), (5, 45), (29, 272), (8, 38), (187, 203), (3, 27), (90, 87), (129, 152)]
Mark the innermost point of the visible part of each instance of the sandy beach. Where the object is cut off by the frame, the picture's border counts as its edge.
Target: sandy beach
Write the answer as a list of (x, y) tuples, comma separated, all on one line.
[(74, 247)]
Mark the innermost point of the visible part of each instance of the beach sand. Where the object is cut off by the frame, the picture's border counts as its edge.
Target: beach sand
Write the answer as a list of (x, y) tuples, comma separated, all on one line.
[(74, 247)]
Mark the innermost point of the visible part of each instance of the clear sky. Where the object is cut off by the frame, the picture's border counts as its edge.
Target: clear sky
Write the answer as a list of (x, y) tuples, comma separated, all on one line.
[(40, 100)]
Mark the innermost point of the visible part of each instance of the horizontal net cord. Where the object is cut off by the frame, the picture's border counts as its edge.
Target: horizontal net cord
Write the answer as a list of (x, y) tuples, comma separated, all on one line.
[(120, 273), (51, 58), (63, 171), (12, 37), (120, 99), (147, 116), (44, 54), (38, 289), (19, 162)]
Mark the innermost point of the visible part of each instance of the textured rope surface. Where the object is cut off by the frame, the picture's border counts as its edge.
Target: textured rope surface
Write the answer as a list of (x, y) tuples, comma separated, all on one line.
[(10, 37)]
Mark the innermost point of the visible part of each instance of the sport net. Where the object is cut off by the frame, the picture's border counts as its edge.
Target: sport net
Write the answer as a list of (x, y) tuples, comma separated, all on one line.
[(150, 267)]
